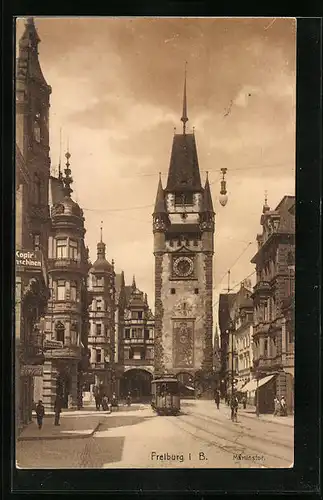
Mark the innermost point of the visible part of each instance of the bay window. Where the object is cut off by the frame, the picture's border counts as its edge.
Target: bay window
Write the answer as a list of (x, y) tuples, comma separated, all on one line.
[(60, 290), (73, 291), (61, 248), (73, 249)]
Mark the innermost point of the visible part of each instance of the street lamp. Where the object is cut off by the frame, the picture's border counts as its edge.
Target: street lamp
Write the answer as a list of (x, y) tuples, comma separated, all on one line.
[(223, 198)]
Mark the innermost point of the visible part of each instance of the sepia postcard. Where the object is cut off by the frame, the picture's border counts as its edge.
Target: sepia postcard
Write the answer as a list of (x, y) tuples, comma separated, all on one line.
[(155, 242)]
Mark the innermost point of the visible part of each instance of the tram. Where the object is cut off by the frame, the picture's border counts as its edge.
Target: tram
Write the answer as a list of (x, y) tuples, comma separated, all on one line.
[(165, 395)]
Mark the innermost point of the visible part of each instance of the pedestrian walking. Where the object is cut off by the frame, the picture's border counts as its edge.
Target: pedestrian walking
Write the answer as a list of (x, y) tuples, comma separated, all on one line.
[(129, 399), (57, 410), (244, 402), (276, 407), (283, 407), (105, 403), (234, 408), (114, 402), (97, 397), (40, 412), (217, 399)]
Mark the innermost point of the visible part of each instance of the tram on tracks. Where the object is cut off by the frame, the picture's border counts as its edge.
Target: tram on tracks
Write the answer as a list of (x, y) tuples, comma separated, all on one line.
[(165, 395)]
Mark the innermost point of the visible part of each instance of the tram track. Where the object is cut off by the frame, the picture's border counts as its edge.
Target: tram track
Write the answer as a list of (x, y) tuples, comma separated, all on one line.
[(231, 446), (228, 426)]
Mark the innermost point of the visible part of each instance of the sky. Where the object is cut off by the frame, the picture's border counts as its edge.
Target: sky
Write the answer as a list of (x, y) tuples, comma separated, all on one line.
[(117, 90)]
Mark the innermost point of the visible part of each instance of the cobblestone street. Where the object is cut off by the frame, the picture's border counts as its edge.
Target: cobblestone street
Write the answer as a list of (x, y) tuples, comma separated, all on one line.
[(201, 436)]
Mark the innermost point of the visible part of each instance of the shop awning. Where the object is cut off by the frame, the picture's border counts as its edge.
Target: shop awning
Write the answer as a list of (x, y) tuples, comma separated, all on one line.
[(240, 385), (252, 385)]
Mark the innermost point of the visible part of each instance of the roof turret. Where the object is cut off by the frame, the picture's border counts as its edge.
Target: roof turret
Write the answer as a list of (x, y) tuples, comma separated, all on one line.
[(160, 206)]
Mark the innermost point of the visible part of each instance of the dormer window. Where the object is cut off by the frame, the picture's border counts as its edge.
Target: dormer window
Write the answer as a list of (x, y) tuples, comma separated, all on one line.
[(184, 199)]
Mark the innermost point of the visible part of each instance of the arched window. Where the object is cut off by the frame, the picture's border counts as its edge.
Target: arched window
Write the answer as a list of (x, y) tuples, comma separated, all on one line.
[(60, 331)]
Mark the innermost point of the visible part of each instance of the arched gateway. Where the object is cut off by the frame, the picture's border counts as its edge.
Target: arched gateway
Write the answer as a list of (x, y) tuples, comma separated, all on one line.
[(138, 383)]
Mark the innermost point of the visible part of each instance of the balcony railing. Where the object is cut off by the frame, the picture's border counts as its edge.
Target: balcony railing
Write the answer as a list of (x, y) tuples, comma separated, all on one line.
[(65, 352), (261, 328), (138, 341), (98, 365), (65, 264), (138, 362), (262, 288)]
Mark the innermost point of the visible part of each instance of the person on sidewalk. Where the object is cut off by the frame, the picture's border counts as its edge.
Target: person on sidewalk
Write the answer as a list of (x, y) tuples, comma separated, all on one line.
[(114, 401), (57, 410), (97, 397), (105, 403), (217, 399), (40, 412), (129, 399), (276, 407), (234, 408), (283, 407)]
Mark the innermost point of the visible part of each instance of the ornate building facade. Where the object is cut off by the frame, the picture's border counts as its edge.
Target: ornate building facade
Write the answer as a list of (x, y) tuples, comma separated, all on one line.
[(242, 317), (183, 227), (32, 219), (66, 321), (102, 313), (273, 346), (137, 344), (226, 326)]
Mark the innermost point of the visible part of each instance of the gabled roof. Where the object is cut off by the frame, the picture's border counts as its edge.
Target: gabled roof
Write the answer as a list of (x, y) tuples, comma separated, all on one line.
[(28, 53), (184, 173)]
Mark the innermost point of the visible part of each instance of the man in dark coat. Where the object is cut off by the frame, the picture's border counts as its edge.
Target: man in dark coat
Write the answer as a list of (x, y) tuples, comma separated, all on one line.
[(234, 408), (57, 410), (40, 412), (97, 397), (217, 398)]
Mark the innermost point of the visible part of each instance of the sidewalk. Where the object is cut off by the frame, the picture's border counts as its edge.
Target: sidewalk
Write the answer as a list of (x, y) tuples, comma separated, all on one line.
[(72, 425), (250, 412)]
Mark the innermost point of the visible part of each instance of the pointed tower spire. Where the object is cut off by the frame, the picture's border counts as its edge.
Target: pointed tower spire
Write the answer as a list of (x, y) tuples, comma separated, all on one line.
[(207, 198), (30, 38), (134, 286), (101, 246), (28, 62), (160, 207), (184, 118), (60, 176), (67, 180), (265, 207)]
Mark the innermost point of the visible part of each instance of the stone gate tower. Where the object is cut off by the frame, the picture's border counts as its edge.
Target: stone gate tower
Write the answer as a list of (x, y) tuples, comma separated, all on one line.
[(183, 227)]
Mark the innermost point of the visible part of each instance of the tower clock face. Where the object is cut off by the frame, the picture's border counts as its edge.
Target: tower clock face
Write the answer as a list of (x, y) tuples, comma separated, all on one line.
[(183, 266)]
